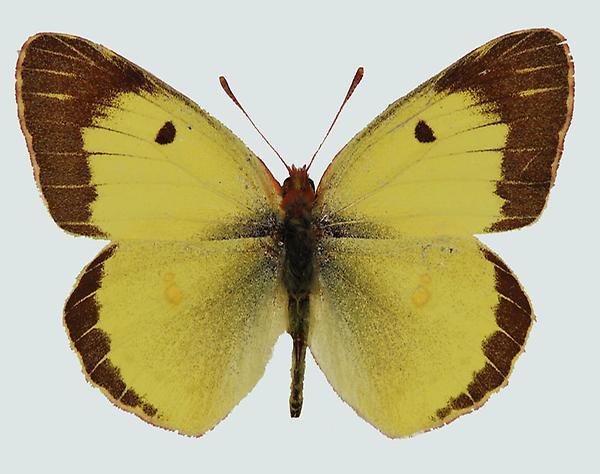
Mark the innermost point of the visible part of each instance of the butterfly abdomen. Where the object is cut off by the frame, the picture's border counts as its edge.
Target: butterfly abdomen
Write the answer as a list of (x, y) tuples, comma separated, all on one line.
[(298, 274), (298, 271)]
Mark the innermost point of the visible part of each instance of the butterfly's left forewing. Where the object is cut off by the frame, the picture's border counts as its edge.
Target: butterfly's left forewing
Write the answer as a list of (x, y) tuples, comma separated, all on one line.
[(119, 154)]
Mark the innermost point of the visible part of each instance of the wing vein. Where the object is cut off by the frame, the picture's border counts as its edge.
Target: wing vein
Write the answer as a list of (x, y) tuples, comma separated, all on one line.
[(86, 58), (516, 45), (201, 184)]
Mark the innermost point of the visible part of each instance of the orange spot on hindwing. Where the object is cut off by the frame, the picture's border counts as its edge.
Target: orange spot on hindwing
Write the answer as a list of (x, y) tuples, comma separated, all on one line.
[(173, 293), (421, 295)]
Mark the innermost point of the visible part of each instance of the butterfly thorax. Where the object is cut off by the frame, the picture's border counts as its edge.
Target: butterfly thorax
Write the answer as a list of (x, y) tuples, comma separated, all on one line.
[(298, 195)]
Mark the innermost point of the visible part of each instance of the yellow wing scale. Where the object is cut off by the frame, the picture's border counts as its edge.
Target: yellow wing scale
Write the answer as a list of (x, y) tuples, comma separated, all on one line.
[(183, 173), (414, 334), (418, 188), (93, 121), (497, 119), (178, 333)]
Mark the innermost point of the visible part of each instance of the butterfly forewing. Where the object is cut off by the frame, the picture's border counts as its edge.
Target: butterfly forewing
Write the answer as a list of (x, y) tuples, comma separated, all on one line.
[(475, 149), (119, 154)]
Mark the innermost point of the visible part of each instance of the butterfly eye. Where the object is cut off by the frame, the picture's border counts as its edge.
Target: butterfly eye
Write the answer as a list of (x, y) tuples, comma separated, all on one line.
[(312, 184)]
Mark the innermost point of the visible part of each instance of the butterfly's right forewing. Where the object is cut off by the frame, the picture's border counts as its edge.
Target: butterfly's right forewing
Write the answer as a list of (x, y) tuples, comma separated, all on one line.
[(475, 149)]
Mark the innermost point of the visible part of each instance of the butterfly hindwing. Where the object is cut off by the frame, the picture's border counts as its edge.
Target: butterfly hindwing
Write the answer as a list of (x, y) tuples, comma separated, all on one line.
[(475, 149), (412, 334), (177, 333), (119, 154)]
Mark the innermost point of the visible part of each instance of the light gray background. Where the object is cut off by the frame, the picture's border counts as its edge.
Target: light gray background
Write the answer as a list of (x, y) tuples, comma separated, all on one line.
[(290, 66)]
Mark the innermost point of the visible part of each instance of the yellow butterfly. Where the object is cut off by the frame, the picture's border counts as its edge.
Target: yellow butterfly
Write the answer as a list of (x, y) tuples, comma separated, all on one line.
[(412, 319)]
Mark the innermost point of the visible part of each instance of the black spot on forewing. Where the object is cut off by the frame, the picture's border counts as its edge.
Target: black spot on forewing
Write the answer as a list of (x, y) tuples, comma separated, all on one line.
[(166, 134), (424, 133)]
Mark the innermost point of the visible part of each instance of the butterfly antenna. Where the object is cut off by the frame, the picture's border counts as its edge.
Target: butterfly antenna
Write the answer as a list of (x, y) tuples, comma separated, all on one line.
[(357, 78), (229, 92)]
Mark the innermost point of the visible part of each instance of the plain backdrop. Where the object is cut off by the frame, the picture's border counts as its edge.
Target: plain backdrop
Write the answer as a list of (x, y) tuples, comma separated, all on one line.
[(290, 65)]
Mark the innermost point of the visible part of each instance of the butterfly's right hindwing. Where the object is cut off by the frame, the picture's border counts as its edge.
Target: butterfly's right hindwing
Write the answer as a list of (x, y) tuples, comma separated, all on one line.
[(413, 335)]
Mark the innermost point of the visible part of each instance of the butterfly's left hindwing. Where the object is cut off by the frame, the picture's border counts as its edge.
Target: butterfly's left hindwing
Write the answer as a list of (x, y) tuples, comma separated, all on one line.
[(178, 333), (119, 154), (475, 149)]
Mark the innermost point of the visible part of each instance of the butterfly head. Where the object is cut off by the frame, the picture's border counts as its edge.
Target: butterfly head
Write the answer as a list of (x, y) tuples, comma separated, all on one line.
[(298, 191)]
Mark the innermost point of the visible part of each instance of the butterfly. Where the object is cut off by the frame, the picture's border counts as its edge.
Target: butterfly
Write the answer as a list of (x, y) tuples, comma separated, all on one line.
[(413, 321)]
